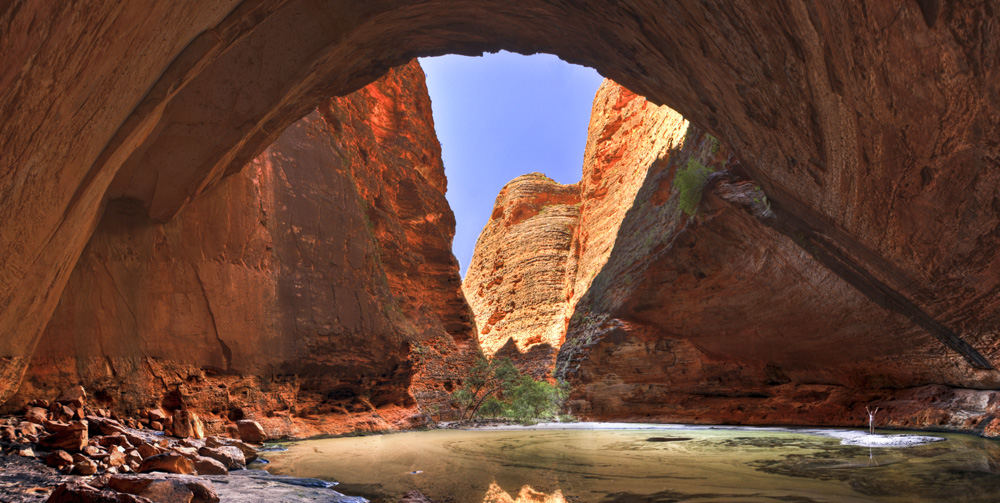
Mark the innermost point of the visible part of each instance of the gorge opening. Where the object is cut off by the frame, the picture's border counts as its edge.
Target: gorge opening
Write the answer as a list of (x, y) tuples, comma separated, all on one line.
[(866, 276)]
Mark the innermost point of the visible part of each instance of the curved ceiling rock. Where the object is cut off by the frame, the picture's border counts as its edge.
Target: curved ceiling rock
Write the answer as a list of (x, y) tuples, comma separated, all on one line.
[(873, 123)]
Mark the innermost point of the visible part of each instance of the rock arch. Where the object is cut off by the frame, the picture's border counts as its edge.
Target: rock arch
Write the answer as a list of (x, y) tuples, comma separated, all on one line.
[(870, 125)]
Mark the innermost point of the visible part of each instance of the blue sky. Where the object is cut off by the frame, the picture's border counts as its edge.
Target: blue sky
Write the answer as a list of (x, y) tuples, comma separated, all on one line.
[(500, 116)]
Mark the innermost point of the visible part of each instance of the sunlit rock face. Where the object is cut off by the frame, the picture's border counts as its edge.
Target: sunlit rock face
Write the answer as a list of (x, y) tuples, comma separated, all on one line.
[(516, 279), (722, 316), (545, 242), (315, 289), (869, 125)]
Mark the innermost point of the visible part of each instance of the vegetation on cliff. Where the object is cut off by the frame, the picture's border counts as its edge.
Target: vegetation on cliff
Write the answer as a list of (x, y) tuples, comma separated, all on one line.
[(496, 389)]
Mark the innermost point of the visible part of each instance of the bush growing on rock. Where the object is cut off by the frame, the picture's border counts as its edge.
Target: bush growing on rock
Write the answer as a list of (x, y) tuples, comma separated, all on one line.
[(690, 183), (496, 389)]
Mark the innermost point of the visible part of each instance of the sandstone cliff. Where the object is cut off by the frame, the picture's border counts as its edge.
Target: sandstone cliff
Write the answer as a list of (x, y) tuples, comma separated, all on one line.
[(724, 317), (545, 242), (516, 280), (315, 289), (720, 316), (869, 125)]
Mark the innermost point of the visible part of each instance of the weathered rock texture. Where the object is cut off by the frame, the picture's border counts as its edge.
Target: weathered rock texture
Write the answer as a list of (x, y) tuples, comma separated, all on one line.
[(546, 242), (317, 280), (871, 126), (516, 280), (721, 317)]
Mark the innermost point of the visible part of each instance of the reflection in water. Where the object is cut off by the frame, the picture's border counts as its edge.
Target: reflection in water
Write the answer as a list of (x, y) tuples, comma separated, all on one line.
[(624, 466), (527, 495)]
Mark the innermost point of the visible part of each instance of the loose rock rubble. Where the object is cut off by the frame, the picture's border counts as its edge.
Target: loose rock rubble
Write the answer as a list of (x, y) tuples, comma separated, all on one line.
[(154, 458)]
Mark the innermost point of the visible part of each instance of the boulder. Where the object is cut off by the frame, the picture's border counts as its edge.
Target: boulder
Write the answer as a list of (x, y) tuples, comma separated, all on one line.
[(85, 467), (170, 462), (36, 415), (208, 466), (167, 491), (251, 431), (249, 453), (146, 450), (230, 456), (75, 396), (156, 415), (75, 492), (187, 424), (59, 459), (73, 438), (157, 486)]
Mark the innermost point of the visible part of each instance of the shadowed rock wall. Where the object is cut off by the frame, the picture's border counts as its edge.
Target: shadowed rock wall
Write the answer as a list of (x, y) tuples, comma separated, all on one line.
[(300, 287), (869, 125)]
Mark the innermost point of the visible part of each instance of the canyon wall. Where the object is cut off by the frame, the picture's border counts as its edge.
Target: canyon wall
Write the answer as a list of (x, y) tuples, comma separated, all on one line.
[(315, 290), (870, 126), (545, 242), (721, 315), (516, 280)]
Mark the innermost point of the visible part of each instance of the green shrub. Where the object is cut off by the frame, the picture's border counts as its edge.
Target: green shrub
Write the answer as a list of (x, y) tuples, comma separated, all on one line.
[(690, 183), (496, 389)]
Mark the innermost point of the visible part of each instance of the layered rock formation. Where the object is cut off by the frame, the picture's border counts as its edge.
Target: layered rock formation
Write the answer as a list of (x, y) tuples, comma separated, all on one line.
[(516, 279), (315, 289), (545, 242), (721, 316), (869, 125), (725, 317)]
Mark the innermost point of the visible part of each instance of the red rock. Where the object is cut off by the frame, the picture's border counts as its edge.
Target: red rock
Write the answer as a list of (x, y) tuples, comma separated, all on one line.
[(370, 175), (146, 450), (517, 278), (73, 438), (85, 467), (36, 415), (229, 456), (58, 459), (74, 492), (156, 415), (167, 462), (188, 424), (75, 396), (148, 485), (251, 431), (208, 466)]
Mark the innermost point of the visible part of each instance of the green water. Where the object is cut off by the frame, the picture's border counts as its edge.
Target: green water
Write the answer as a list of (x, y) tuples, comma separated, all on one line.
[(647, 466)]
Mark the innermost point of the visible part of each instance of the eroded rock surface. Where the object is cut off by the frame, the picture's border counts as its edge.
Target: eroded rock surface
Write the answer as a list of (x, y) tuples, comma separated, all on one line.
[(726, 316), (299, 288), (516, 280)]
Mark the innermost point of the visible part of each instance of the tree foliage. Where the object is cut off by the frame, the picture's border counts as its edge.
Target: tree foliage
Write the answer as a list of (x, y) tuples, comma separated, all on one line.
[(496, 389)]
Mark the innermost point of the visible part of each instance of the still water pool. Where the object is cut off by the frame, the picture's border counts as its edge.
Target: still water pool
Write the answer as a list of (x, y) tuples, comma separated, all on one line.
[(646, 465)]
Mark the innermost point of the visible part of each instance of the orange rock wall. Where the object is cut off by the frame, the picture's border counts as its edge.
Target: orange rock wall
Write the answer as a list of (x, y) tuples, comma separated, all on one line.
[(298, 287), (516, 279), (546, 242), (722, 317)]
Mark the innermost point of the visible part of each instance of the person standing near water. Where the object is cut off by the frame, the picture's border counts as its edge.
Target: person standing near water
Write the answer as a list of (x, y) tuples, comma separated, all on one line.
[(871, 419)]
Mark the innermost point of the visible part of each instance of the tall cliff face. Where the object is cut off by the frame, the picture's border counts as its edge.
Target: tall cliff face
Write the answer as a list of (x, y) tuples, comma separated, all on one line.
[(720, 316), (315, 289), (516, 280), (545, 242), (724, 316)]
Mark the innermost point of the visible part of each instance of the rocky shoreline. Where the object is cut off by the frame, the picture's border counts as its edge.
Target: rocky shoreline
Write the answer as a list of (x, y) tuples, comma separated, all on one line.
[(66, 451)]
